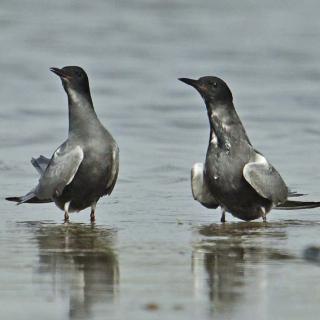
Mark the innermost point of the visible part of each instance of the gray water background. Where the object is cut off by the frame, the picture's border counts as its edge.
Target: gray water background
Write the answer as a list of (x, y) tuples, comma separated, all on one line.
[(154, 253)]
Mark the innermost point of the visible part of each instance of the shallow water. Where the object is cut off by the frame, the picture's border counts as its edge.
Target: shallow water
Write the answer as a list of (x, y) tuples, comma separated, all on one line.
[(154, 253)]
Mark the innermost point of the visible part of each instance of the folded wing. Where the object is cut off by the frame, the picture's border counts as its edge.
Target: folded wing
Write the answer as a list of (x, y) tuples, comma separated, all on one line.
[(265, 180), (60, 171), (200, 190), (114, 171)]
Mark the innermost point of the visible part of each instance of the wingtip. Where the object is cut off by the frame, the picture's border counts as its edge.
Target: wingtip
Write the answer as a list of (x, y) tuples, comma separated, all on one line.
[(13, 199), (296, 205)]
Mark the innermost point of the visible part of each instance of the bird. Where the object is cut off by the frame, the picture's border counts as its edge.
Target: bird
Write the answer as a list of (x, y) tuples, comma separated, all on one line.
[(235, 176), (85, 166)]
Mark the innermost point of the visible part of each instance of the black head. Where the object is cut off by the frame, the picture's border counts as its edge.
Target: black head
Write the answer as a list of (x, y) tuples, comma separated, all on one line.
[(74, 78), (212, 89)]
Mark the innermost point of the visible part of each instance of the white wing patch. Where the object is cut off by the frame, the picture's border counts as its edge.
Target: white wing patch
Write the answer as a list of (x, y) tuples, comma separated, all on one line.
[(259, 158), (200, 190)]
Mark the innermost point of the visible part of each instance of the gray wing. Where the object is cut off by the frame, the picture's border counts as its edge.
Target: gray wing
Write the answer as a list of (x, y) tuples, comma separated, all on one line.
[(114, 171), (265, 179), (200, 190), (60, 171), (40, 164)]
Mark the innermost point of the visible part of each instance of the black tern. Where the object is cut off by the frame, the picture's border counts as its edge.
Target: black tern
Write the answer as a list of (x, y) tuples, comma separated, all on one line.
[(235, 176), (85, 167)]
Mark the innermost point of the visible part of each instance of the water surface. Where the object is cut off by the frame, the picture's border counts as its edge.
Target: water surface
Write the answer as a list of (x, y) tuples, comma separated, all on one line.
[(154, 253)]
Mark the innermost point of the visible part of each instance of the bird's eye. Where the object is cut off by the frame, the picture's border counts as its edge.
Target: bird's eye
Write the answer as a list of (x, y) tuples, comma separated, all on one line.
[(214, 84)]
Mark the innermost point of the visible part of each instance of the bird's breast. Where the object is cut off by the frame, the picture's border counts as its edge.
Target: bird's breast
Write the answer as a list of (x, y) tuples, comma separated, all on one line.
[(224, 166)]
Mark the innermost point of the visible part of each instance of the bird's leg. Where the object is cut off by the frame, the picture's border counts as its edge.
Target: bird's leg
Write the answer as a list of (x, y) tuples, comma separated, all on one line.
[(223, 216), (66, 212), (93, 211), (264, 214)]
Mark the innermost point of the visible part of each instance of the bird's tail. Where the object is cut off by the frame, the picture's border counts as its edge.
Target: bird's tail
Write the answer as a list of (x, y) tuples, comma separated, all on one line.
[(294, 205), (30, 197)]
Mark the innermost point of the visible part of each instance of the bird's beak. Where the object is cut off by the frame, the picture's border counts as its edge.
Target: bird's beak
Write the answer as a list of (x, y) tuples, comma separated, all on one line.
[(61, 73), (190, 82), (193, 83)]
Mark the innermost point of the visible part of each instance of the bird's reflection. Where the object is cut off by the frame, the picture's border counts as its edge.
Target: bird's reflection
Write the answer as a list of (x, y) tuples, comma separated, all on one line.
[(81, 265), (226, 258)]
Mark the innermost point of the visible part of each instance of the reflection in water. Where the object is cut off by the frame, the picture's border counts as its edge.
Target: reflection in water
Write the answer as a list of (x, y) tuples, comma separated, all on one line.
[(227, 258), (312, 254), (81, 263)]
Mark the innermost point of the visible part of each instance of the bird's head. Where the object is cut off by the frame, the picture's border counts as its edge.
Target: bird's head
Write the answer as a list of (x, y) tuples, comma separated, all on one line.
[(73, 78), (212, 89)]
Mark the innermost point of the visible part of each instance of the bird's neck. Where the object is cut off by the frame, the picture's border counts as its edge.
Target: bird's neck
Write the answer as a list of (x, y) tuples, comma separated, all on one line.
[(81, 113), (225, 125)]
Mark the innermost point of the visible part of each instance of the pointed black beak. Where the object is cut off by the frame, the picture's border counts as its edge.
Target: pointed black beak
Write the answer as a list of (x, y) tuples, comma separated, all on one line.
[(200, 87), (190, 82), (61, 73)]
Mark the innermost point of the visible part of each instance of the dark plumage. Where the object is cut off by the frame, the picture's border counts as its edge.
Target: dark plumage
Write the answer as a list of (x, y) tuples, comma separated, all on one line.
[(85, 167), (235, 176)]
